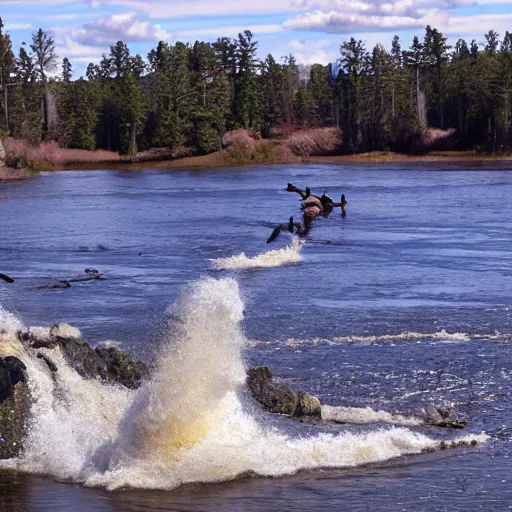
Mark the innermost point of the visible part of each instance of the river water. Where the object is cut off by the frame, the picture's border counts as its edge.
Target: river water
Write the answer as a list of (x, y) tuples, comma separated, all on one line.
[(405, 302)]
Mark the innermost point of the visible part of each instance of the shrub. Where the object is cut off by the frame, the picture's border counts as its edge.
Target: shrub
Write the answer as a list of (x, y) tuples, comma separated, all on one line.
[(315, 141), (48, 155)]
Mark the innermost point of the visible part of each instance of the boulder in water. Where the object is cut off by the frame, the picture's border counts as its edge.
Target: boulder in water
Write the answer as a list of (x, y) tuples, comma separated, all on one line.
[(107, 363), (279, 397), (118, 367), (14, 406), (38, 337)]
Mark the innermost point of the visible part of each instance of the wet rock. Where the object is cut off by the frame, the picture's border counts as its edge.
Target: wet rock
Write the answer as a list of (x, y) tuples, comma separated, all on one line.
[(442, 417), (14, 406), (106, 363), (51, 365), (118, 367), (279, 397), (38, 337), (91, 274)]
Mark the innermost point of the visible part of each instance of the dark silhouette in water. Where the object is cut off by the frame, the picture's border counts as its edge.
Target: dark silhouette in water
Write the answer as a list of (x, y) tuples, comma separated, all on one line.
[(6, 278), (312, 207), (291, 227)]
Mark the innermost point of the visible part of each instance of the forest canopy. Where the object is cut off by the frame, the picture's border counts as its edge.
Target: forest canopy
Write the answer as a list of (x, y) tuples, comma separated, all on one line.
[(188, 95)]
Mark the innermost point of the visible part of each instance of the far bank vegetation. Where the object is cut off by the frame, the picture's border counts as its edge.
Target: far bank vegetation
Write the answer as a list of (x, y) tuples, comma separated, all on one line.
[(221, 98)]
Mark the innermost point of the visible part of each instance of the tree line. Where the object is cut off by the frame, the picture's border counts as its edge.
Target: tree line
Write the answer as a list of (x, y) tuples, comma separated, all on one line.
[(188, 95)]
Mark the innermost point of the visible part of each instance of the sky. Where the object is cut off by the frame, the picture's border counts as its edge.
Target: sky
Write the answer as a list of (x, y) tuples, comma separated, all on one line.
[(311, 30)]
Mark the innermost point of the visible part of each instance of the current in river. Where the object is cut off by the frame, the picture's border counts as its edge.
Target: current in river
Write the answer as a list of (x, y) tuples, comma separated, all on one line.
[(405, 302)]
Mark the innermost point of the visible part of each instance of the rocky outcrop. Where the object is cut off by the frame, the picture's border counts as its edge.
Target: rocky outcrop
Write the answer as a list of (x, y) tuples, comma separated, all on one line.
[(106, 363), (278, 397), (14, 406)]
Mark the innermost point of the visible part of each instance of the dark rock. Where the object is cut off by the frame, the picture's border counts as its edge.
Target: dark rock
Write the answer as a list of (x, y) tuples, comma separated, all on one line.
[(12, 371), (35, 339), (51, 365), (6, 278), (109, 364), (118, 367), (279, 397), (14, 406), (81, 357)]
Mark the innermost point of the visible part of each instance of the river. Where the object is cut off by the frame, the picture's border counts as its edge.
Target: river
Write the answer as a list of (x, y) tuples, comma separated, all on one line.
[(405, 302)]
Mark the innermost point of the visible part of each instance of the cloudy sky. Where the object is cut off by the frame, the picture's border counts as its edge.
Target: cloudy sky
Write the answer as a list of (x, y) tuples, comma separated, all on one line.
[(310, 29)]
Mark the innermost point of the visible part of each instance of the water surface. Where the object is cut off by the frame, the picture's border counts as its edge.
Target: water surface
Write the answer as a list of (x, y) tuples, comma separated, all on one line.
[(406, 301)]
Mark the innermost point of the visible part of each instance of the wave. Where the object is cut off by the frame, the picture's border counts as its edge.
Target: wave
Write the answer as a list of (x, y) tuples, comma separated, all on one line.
[(366, 415), (441, 336), (189, 422), (275, 258), (403, 336)]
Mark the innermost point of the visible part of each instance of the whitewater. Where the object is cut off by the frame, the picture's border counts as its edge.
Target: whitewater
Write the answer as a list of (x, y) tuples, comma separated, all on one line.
[(191, 421), (275, 258)]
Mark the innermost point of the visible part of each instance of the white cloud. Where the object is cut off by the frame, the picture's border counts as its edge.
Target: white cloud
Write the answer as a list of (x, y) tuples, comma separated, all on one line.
[(341, 23), (125, 26), (18, 26), (38, 3), (345, 16), (230, 31), (185, 8)]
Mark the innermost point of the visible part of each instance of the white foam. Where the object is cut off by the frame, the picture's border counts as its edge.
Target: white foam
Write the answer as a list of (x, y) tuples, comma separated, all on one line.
[(365, 415), (39, 333), (403, 336), (64, 330), (10, 324), (188, 422), (275, 258)]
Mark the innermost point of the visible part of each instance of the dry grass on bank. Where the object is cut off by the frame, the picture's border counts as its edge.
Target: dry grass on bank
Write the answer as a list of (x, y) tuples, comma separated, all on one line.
[(314, 141), (20, 154)]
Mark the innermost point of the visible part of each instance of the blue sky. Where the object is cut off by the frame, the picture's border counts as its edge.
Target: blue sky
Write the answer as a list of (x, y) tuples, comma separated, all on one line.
[(312, 30)]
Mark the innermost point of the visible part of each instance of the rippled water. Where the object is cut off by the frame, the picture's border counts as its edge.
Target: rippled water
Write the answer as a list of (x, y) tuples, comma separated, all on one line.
[(405, 302)]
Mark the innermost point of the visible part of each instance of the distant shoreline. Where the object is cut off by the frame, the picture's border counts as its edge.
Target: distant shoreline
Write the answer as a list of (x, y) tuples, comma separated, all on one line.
[(214, 160), (377, 157)]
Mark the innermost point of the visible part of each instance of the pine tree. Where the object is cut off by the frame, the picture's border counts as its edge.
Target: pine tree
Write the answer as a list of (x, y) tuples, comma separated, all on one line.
[(246, 94), (67, 70)]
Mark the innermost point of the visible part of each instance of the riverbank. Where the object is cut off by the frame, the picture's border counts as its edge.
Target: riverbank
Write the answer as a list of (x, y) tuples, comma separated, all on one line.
[(377, 157), (271, 156), (8, 174)]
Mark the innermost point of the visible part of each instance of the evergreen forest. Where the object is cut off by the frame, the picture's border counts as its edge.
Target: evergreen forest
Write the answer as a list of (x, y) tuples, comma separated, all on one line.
[(184, 95)]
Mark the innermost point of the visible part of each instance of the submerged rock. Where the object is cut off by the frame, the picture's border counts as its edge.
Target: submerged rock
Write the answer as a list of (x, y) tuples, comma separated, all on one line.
[(279, 397), (14, 406)]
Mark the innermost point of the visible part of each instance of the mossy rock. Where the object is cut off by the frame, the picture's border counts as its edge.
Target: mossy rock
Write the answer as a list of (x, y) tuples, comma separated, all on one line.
[(108, 364), (118, 367), (15, 402), (278, 397)]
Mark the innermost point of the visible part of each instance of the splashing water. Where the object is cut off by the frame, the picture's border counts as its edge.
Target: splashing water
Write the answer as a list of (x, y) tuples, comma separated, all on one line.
[(365, 415), (187, 423), (276, 258)]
